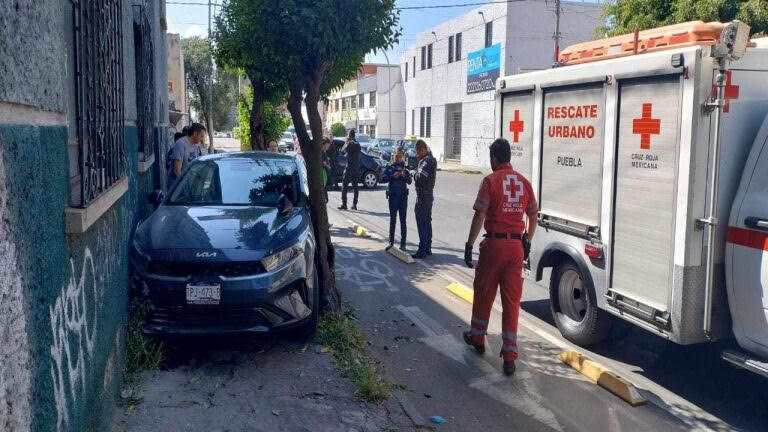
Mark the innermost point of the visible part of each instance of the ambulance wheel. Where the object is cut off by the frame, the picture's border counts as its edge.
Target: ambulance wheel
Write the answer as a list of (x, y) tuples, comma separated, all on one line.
[(574, 306)]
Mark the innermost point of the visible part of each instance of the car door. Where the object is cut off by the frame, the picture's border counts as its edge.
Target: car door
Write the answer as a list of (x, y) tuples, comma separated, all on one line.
[(747, 251)]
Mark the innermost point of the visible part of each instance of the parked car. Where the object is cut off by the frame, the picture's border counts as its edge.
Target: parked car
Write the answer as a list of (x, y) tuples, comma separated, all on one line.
[(230, 249), (409, 145), (286, 142), (364, 140), (382, 147), (371, 167)]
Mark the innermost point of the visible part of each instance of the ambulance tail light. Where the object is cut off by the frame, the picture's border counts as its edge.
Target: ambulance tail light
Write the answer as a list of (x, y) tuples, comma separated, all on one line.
[(593, 250)]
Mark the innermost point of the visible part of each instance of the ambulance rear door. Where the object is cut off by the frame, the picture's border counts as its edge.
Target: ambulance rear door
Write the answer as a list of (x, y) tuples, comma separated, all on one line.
[(645, 194), (517, 128), (571, 158)]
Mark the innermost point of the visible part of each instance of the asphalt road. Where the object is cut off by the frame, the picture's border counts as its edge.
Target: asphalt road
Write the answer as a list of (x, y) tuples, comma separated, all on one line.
[(689, 382)]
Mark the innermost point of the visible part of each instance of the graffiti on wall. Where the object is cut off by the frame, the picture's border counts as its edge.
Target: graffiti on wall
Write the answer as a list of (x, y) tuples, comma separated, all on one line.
[(15, 382), (78, 317)]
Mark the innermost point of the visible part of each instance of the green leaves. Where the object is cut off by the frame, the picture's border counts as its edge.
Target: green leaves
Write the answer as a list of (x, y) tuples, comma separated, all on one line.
[(624, 16), (212, 90)]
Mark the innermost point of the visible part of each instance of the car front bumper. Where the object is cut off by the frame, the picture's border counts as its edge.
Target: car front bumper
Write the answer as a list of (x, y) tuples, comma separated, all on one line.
[(260, 303)]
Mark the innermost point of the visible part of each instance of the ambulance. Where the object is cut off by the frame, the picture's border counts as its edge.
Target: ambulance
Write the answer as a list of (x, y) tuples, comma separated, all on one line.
[(649, 157)]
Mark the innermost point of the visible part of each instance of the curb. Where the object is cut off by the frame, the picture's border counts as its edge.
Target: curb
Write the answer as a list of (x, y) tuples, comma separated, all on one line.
[(402, 256), (461, 292), (603, 377)]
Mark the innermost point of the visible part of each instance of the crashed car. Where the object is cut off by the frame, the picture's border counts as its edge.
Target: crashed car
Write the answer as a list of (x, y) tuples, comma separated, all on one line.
[(230, 249)]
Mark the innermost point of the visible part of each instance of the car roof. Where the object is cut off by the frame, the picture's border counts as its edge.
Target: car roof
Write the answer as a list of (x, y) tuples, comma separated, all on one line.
[(255, 155)]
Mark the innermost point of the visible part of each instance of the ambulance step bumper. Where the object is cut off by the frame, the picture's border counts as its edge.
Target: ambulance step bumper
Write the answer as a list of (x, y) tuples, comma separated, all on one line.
[(744, 361)]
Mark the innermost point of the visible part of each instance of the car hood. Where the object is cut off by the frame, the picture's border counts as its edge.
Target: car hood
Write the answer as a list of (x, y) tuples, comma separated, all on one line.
[(261, 229)]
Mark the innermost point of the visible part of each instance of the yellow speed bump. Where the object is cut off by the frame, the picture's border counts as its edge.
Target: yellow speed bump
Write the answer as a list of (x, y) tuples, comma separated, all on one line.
[(461, 291), (360, 231), (603, 377)]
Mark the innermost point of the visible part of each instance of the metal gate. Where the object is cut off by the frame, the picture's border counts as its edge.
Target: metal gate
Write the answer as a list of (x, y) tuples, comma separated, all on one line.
[(145, 80), (453, 132), (98, 58)]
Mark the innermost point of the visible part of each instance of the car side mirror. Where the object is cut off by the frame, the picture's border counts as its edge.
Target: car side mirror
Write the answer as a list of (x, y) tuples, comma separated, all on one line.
[(284, 204), (155, 197)]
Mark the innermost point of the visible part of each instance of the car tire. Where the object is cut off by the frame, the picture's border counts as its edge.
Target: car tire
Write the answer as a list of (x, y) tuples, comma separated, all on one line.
[(370, 180), (308, 329), (574, 306)]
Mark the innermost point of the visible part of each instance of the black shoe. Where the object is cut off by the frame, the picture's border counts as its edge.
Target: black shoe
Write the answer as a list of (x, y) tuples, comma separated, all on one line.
[(354, 207), (343, 207), (419, 255), (468, 339), (402, 246), (428, 252), (389, 247), (509, 368)]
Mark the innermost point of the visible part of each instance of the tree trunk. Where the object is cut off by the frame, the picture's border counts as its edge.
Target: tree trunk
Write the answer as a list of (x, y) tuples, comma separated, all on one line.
[(311, 150), (257, 109), (209, 127)]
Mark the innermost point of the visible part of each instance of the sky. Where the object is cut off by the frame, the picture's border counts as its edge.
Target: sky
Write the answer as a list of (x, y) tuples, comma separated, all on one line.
[(192, 20)]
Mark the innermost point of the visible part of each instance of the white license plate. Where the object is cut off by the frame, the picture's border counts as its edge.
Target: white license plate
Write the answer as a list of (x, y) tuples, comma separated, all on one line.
[(203, 294)]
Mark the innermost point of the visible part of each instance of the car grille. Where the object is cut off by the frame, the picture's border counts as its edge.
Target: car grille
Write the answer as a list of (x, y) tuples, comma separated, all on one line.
[(201, 316), (183, 269)]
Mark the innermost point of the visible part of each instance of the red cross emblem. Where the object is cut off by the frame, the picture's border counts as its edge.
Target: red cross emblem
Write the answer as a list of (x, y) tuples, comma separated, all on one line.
[(646, 126), (513, 188), (516, 126), (731, 91)]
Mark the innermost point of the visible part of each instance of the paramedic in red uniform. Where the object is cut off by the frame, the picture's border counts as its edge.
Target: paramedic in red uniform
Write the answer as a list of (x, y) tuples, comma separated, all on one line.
[(504, 200)]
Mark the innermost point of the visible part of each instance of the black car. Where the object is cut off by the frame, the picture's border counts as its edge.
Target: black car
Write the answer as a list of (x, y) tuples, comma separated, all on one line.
[(230, 249), (409, 146), (383, 148), (371, 171)]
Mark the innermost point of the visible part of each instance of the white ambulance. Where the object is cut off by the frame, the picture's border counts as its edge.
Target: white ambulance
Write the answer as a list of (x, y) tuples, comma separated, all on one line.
[(627, 144)]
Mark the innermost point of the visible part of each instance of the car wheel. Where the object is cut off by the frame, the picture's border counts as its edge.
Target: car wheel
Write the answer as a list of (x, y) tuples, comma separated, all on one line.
[(308, 328), (574, 306), (370, 180)]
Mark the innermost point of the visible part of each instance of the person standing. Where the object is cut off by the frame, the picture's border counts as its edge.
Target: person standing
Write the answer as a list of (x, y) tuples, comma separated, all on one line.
[(352, 171), (425, 185), (505, 199), (397, 193), (186, 150)]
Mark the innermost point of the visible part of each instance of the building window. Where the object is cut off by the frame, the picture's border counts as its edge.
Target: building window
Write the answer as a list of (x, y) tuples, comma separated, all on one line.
[(414, 67), (428, 127), (413, 122), (361, 101), (488, 33), (99, 102), (429, 56), (450, 49), (353, 102), (457, 57), (337, 104), (372, 99), (422, 120), (372, 131), (343, 103), (423, 57), (406, 71)]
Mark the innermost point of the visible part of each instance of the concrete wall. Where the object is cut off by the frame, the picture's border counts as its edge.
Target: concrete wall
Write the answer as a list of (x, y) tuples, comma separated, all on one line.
[(390, 112), (524, 29), (64, 296)]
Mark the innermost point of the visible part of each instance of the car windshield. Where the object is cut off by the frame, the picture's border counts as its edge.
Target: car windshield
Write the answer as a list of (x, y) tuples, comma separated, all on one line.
[(236, 182), (409, 144), (287, 136), (362, 138), (386, 144)]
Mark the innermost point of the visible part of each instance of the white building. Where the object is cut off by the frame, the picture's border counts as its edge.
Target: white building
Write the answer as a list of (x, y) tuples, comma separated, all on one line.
[(455, 114), (373, 103)]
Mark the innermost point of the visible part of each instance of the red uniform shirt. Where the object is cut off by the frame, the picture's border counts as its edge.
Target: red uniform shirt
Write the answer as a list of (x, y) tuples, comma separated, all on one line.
[(505, 196)]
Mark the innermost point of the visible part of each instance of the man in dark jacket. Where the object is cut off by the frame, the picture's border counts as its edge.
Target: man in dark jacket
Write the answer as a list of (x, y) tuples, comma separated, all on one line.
[(352, 171), (397, 193), (425, 185)]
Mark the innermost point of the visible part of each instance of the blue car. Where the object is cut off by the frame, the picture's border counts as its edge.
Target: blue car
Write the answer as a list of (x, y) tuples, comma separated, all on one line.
[(230, 249)]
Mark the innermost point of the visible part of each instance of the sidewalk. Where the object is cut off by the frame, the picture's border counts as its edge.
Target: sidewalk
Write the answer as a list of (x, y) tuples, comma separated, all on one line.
[(456, 167)]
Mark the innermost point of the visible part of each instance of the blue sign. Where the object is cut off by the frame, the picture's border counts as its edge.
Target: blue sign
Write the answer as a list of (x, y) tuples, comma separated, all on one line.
[(483, 68)]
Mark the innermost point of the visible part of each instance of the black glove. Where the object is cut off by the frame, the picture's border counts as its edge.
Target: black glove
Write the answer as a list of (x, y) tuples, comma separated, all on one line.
[(526, 246), (468, 255)]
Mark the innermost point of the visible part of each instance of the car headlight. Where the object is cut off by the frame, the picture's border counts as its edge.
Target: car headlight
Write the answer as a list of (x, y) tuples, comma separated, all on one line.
[(279, 259)]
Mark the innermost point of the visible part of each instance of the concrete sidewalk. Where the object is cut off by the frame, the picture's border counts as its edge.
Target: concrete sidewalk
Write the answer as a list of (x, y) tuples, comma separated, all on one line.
[(453, 166)]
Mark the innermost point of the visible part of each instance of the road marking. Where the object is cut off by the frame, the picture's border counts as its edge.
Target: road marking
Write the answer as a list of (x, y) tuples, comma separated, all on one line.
[(603, 377), (427, 325), (461, 291)]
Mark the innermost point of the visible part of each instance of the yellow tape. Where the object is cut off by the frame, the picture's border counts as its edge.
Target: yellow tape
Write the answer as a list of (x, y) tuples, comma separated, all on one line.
[(603, 377), (461, 292)]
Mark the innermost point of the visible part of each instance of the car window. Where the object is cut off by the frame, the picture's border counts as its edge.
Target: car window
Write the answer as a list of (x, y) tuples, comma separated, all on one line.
[(236, 181), (287, 136)]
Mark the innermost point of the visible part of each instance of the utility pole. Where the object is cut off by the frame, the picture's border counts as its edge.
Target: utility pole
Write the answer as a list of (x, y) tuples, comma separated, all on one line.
[(557, 35), (209, 116)]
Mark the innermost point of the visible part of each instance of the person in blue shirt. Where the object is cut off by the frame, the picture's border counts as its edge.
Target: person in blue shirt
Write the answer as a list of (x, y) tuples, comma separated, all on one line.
[(397, 193)]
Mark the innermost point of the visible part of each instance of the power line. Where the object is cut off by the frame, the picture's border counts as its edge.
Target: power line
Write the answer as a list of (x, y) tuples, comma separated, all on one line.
[(457, 5)]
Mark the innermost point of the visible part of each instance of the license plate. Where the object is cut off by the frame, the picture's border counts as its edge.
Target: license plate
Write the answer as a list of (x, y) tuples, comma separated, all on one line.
[(203, 294)]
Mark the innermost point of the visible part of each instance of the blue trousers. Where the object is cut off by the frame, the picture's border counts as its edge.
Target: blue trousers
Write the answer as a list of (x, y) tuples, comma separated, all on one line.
[(424, 222), (398, 204)]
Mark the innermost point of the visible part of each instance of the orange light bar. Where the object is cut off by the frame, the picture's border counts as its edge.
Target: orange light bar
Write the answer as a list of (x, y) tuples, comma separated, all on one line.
[(662, 38)]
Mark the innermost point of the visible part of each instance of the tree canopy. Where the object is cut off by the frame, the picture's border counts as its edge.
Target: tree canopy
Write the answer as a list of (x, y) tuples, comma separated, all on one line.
[(625, 16)]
